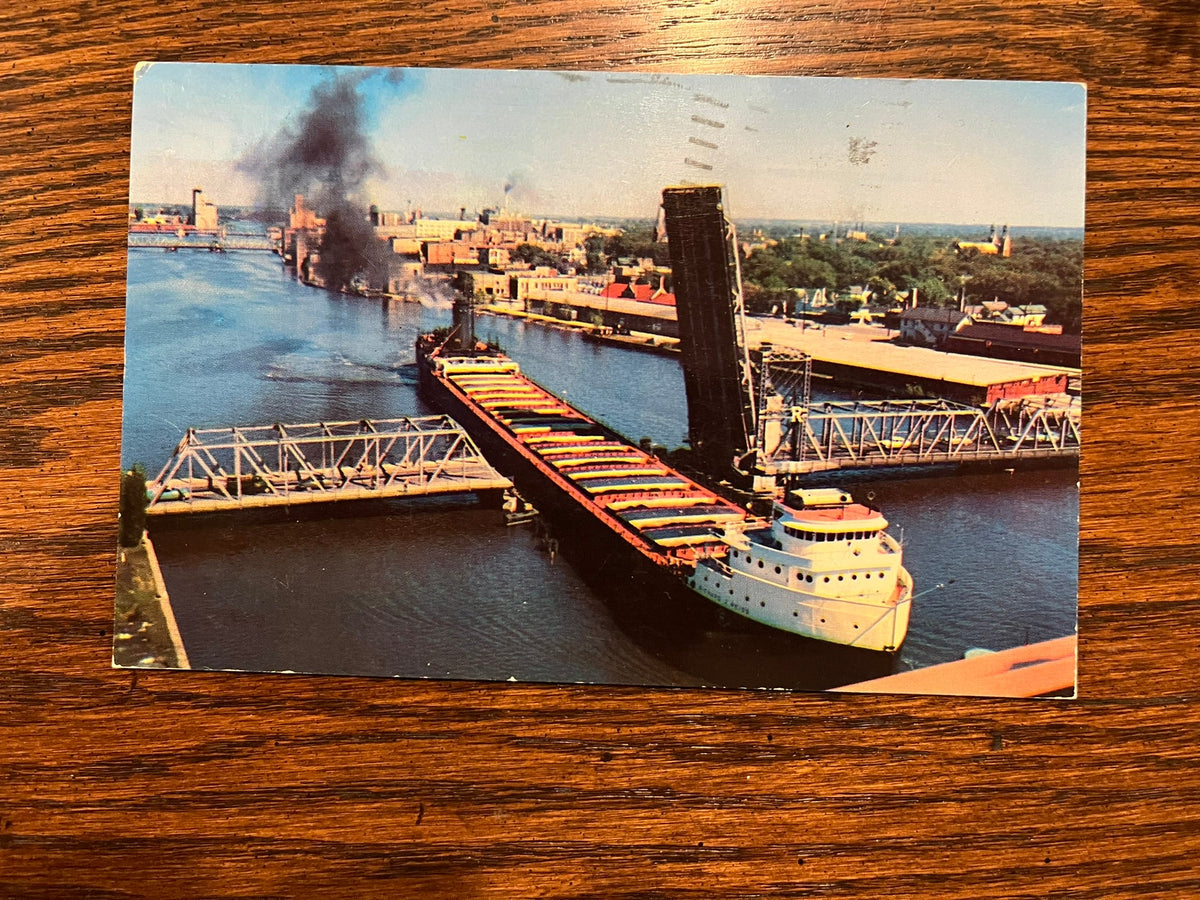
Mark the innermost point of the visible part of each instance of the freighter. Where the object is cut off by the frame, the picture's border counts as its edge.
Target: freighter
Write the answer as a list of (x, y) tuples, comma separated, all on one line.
[(822, 566)]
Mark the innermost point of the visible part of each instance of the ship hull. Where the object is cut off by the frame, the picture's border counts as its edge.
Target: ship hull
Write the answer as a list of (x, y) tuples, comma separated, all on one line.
[(864, 624)]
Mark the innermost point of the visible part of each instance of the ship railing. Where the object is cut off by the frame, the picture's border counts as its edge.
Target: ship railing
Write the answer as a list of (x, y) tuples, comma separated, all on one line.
[(891, 615), (721, 566)]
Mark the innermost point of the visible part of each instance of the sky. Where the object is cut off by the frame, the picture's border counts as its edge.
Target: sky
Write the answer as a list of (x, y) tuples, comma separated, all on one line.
[(600, 146)]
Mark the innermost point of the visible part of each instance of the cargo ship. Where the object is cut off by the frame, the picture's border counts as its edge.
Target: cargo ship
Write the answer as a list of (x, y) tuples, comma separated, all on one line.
[(822, 566)]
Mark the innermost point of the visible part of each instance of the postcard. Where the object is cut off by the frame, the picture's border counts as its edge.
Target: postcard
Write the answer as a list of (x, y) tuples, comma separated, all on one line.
[(652, 379)]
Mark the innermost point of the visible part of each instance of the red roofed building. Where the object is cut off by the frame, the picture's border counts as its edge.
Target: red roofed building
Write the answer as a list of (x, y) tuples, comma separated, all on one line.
[(643, 293)]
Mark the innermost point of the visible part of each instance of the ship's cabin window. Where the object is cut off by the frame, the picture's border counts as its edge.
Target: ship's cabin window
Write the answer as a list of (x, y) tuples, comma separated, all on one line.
[(825, 537)]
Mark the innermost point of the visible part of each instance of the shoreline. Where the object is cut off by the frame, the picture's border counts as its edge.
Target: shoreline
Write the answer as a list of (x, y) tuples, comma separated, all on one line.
[(145, 632)]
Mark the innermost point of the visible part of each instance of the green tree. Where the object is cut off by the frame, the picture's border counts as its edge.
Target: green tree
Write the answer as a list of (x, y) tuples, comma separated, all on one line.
[(881, 290), (638, 243), (534, 255), (809, 274), (594, 247), (932, 291), (133, 506)]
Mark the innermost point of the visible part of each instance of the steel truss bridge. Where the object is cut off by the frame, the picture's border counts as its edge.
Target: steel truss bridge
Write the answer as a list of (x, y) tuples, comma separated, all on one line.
[(280, 465), (221, 240), (822, 437)]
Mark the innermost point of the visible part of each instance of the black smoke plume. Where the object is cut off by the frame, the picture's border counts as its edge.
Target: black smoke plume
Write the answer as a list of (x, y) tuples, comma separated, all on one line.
[(325, 154)]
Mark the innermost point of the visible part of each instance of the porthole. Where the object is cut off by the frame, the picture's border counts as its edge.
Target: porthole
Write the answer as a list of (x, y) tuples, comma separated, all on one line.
[(822, 621), (856, 628), (809, 578), (827, 578), (778, 570), (867, 575), (762, 603), (760, 563), (795, 614), (840, 578), (854, 578)]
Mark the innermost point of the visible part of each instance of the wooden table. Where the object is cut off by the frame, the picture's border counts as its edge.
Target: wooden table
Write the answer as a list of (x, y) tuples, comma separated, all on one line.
[(161, 784)]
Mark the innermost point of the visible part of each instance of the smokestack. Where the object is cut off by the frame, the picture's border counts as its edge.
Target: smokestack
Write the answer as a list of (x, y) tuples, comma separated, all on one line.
[(464, 322)]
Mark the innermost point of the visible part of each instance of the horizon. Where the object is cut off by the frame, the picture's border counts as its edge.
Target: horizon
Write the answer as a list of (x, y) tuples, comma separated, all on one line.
[(883, 225)]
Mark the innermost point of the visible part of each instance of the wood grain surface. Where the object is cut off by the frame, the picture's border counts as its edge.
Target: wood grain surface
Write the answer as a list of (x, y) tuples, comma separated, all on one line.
[(117, 784)]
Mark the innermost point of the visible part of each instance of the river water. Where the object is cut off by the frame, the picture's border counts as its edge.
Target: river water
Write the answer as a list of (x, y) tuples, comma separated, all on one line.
[(444, 589)]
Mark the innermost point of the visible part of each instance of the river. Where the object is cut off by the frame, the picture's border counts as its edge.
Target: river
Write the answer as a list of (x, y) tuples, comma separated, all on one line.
[(445, 589)]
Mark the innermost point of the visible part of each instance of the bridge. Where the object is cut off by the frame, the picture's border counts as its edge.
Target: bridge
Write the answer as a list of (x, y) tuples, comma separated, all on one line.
[(823, 437), (248, 467), (220, 241)]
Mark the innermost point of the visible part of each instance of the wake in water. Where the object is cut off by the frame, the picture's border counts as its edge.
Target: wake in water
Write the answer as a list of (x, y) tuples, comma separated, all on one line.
[(338, 369)]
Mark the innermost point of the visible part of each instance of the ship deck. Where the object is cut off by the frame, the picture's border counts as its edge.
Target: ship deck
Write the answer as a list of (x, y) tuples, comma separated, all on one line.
[(670, 517)]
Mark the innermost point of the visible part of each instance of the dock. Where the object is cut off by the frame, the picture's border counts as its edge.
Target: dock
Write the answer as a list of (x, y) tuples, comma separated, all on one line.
[(253, 467), (886, 366)]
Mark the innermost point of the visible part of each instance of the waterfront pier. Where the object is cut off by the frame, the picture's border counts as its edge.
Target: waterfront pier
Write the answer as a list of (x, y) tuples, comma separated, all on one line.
[(858, 356), (248, 467)]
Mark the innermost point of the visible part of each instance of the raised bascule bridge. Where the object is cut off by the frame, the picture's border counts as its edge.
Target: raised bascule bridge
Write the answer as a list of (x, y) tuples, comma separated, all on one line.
[(753, 424), (751, 418)]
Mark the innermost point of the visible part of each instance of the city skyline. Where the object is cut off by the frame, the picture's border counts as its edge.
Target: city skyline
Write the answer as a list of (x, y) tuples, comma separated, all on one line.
[(589, 144)]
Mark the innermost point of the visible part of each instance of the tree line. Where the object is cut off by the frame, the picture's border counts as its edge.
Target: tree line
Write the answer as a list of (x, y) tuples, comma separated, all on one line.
[(1040, 271)]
